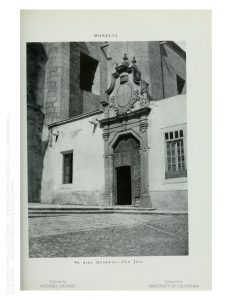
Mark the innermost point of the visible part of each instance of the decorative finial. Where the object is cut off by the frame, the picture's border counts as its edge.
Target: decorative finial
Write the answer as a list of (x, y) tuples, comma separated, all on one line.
[(134, 60), (125, 57), (125, 60)]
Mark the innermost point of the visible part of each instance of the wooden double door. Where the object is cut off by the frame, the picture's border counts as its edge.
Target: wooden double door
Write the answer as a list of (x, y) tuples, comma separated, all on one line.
[(127, 171)]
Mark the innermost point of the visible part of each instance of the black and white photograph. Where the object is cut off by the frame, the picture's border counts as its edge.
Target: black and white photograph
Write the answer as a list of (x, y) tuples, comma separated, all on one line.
[(107, 147)]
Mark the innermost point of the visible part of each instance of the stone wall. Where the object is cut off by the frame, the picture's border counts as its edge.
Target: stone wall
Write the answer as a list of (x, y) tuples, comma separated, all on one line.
[(36, 61), (85, 101), (75, 93), (56, 91), (91, 102), (158, 64), (54, 94), (147, 55), (34, 152), (64, 97), (173, 64)]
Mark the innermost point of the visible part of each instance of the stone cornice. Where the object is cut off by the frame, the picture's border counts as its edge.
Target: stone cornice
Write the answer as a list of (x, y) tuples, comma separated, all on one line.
[(73, 119), (125, 116)]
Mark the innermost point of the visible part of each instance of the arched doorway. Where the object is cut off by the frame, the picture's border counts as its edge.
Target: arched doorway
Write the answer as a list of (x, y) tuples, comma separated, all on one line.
[(127, 171)]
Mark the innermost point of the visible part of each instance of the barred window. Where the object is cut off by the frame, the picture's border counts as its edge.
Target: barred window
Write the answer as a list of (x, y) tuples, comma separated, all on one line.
[(175, 154), (67, 167)]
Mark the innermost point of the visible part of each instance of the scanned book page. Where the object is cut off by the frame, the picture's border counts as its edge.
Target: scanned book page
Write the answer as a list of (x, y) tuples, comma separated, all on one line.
[(116, 150)]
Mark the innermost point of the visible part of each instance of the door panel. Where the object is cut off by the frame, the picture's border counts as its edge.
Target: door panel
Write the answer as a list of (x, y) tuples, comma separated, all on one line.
[(126, 153), (124, 185)]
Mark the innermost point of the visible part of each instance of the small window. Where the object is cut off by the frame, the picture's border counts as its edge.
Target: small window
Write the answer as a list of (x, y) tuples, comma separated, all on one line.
[(67, 167), (88, 67), (175, 155), (180, 84), (181, 133)]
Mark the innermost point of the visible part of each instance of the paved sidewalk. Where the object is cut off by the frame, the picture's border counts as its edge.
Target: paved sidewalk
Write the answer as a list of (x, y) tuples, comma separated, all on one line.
[(108, 235)]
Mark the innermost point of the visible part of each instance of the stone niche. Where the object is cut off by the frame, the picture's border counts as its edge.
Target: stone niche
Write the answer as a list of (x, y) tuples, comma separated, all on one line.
[(126, 109)]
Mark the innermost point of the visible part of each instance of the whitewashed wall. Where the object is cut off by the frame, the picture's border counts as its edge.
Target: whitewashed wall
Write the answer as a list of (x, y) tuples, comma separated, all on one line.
[(166, 115), (88, 164), (88, 161)]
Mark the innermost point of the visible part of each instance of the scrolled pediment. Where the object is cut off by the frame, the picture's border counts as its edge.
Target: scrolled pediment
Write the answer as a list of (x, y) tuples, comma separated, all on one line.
[(127, 90)]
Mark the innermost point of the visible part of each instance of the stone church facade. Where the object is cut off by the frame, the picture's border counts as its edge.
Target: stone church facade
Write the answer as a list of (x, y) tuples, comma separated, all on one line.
[(107, 124)]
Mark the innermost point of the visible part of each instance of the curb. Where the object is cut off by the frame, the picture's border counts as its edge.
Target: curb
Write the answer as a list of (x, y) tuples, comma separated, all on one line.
[(56, 213)]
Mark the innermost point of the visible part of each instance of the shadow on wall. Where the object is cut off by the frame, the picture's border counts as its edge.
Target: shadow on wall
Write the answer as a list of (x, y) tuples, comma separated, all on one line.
[(84, 77), (36, 61), (83, 95)]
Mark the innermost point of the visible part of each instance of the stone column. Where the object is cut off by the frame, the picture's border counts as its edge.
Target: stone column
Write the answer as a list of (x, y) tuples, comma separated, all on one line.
[(111, 178), (108, 166), (144, 195), (57, 82)]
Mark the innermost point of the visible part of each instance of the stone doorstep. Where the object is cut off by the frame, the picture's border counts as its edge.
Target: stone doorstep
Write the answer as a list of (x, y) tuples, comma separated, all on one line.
[(38, 206), (40, 209), (65, 209), (44, 215), (47, 213)]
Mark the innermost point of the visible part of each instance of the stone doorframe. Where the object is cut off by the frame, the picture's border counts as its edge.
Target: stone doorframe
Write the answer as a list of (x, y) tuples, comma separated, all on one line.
[(135, 123)]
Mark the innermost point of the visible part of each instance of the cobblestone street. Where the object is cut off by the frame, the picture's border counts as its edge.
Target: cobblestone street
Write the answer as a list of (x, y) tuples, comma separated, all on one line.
[(91, 235)]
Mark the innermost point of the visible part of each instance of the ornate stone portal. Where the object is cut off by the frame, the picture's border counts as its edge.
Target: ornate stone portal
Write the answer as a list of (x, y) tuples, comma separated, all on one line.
[(125, 125)]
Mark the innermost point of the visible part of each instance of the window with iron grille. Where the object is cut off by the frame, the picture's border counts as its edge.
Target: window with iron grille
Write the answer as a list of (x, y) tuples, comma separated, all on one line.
[(67, 167), (175, 154)]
